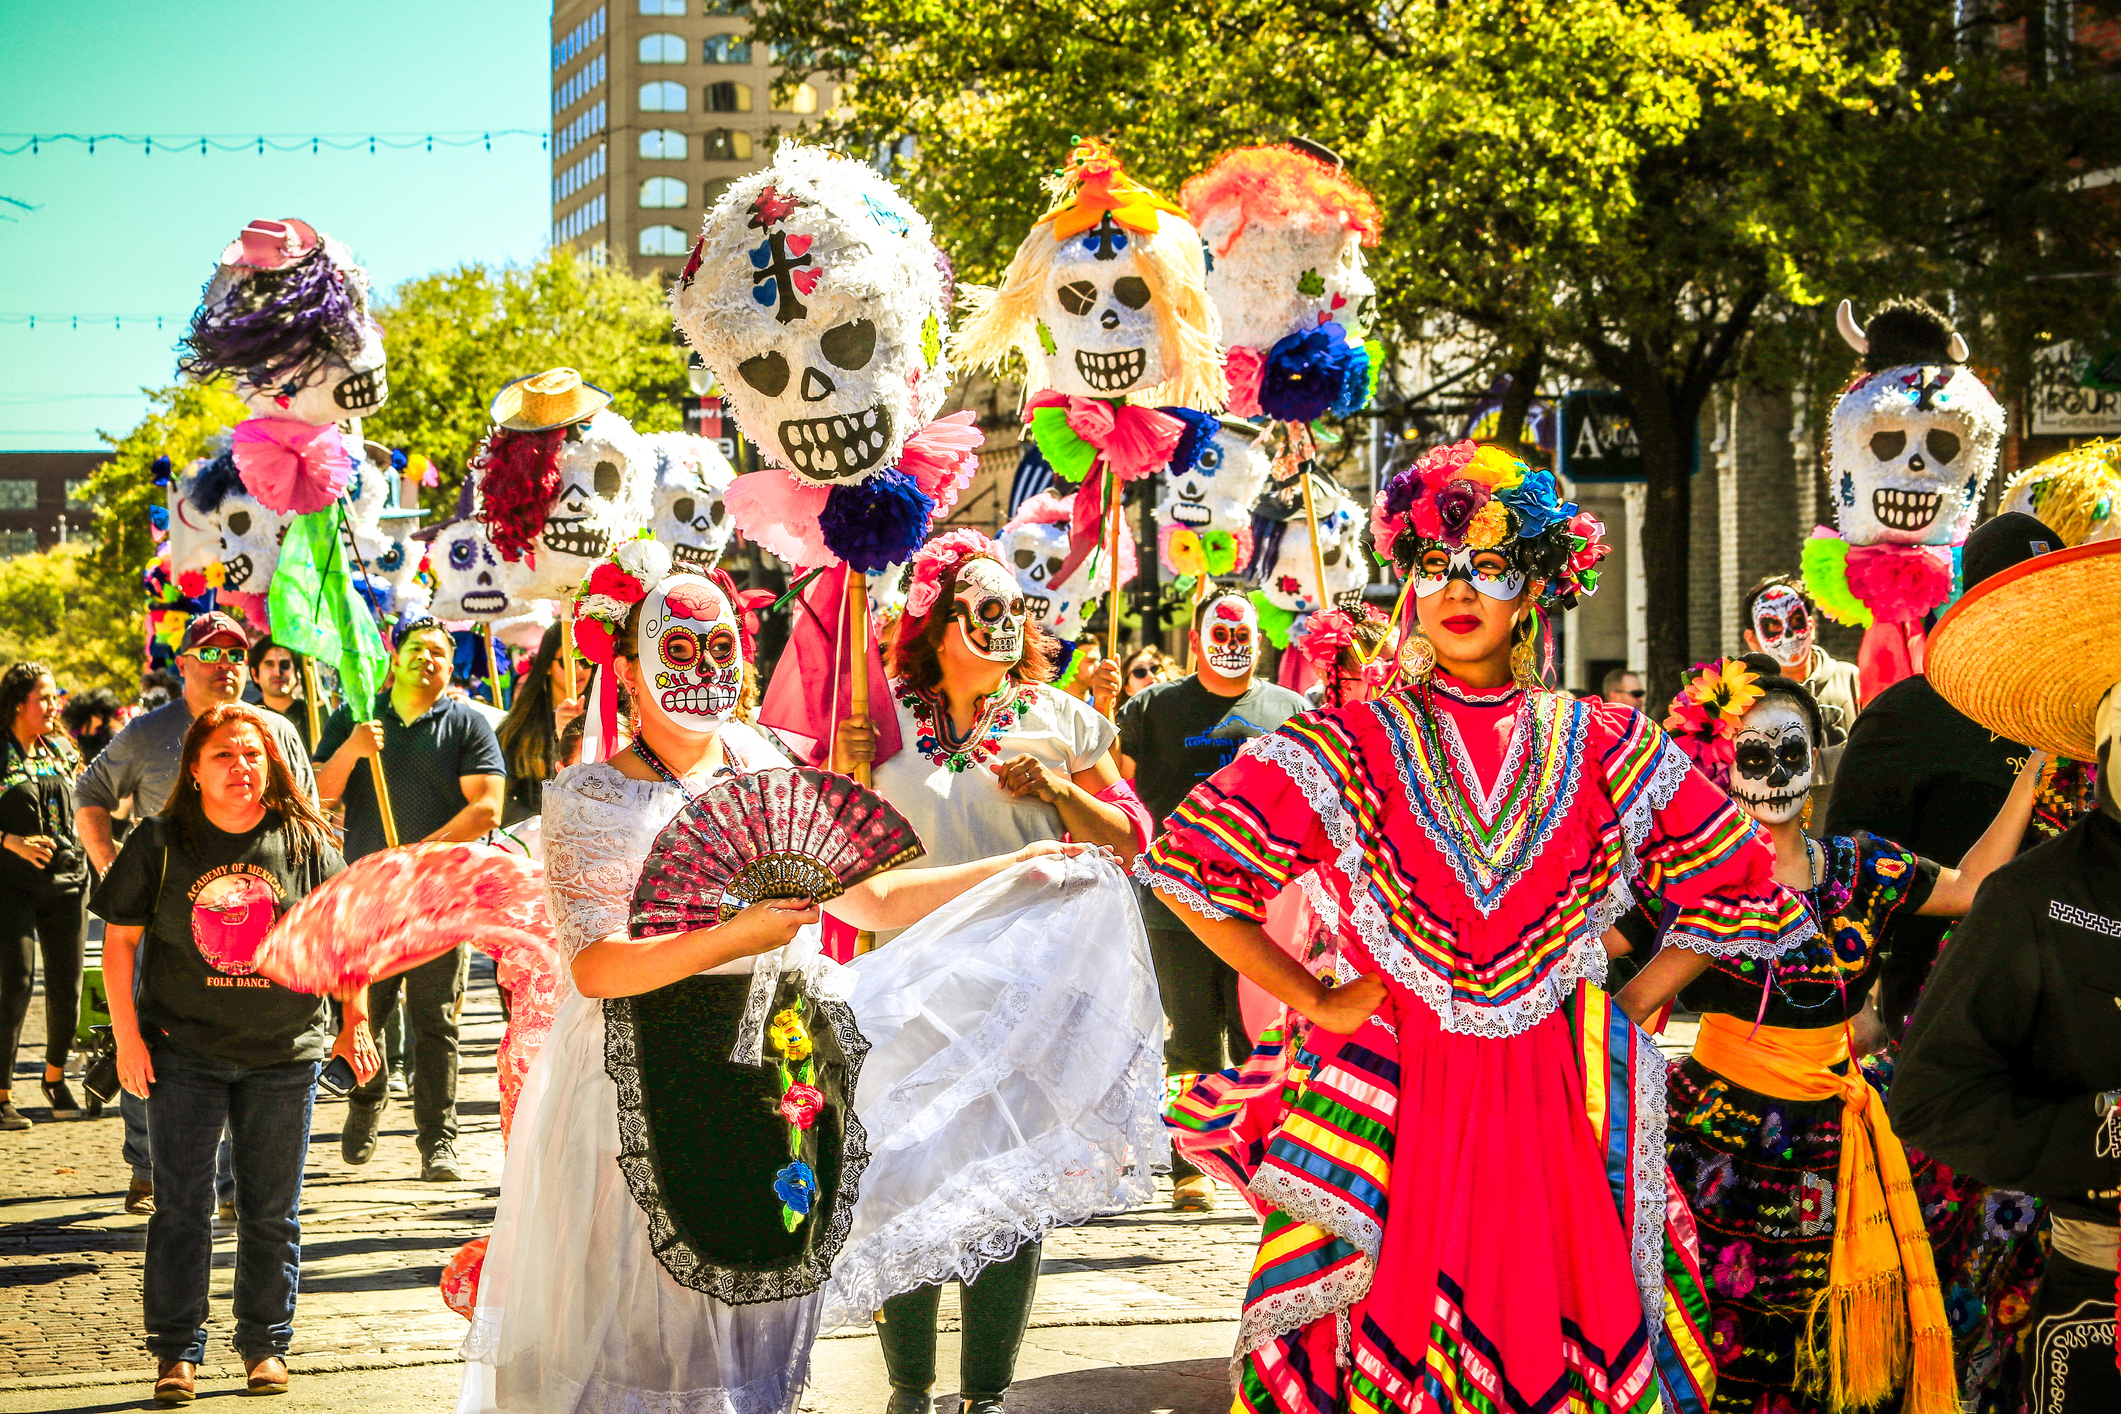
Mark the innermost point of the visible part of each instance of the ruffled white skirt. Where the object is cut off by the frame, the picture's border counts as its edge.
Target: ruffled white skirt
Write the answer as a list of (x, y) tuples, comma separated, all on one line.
[(1013, 1084)]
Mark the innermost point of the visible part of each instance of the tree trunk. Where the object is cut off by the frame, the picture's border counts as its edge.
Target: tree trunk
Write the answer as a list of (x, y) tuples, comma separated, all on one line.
[(1664, 423), (1524, 384)]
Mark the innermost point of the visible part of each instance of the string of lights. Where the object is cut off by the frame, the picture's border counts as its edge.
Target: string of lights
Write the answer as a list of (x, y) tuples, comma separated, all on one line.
[(116, 321), (16, 144)]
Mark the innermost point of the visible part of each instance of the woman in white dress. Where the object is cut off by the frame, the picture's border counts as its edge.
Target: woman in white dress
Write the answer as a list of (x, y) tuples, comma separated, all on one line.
[(994, 759), (993, 1038)]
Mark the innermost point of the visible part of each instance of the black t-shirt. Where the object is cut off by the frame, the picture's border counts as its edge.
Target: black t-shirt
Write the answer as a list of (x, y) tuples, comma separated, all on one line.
[(206, 898), (1178, 734), (1921, 773), (37, 798), (424, 759)]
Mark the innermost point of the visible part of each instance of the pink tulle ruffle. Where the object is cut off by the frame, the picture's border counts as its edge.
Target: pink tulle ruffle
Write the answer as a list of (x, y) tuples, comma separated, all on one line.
[(943, 456), (291, 466), (779, 514), (1898, 583)]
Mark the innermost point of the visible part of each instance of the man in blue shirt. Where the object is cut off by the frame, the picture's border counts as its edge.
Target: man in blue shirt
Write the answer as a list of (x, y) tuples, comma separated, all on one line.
[(447, 778)]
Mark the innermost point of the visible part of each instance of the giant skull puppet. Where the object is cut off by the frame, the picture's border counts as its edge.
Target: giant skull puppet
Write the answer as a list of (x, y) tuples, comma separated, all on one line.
[(1204, 510), (286, 316), (1286, 226), (1915, 441), (473, 580), (689, 515), (817, 297), (1282, 564), (1034, 547)]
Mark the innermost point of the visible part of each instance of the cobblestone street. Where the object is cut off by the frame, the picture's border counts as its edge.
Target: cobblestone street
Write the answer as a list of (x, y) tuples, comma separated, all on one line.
[(1135, 1312)]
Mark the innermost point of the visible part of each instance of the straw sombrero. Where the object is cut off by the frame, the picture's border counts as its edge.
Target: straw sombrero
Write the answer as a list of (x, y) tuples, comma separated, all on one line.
[(555, 398), (2029, 651)]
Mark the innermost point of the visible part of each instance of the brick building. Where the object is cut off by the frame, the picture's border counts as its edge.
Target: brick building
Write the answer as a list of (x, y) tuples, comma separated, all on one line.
[(44, 498)]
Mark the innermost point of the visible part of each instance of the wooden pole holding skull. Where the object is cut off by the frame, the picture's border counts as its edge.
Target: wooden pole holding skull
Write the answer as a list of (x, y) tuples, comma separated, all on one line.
[(1301, 453), (858, 656), (1112, 530)]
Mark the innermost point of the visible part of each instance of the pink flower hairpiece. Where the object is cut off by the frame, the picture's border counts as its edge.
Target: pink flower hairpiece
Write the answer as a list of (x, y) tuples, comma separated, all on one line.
[(932, 560)]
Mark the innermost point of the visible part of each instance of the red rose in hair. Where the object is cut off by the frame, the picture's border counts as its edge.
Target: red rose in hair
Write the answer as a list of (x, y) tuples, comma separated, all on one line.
[(594, 639), (608, 579)]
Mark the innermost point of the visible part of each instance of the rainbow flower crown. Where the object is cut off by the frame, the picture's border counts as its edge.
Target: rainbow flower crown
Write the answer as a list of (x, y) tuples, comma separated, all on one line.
[(1478, 496)]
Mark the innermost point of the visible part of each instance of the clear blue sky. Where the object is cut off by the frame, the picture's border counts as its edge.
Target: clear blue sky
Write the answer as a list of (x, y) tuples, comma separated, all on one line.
[(119, 232)]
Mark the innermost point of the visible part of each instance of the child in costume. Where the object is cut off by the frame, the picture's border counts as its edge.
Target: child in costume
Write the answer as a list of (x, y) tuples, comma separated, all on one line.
[(1781, 1147), (1470, 1196)]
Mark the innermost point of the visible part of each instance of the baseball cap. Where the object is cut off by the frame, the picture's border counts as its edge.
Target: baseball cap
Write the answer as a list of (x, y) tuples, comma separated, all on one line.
[(209, 626), (2002, 541)]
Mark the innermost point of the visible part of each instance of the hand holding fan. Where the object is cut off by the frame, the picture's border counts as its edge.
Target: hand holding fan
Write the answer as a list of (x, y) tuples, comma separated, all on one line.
[(789, 832)]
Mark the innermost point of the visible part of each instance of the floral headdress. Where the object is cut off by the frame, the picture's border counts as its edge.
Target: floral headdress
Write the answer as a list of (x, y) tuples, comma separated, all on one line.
[(1327, 634), (617, 583), (1705, 715), (940, 556), (1475, 496)]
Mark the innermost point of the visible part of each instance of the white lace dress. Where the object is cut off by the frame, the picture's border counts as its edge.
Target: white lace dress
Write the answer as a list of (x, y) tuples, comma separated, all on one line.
[(1013, 1083)]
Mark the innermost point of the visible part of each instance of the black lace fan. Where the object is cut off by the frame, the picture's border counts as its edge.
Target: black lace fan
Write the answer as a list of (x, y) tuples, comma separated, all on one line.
[(788, 832)]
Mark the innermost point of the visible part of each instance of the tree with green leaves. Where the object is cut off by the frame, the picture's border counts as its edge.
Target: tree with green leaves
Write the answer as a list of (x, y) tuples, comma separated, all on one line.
[(455, 337), (1647, 194), (59, 609), (180, 423)]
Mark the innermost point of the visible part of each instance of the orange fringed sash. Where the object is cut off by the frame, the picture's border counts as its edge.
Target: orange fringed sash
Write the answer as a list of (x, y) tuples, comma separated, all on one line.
[(1882, 1313)]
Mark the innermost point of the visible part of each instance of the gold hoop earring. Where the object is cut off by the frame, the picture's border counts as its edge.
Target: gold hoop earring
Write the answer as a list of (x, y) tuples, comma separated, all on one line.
[(1522, 668), (1806, 822), (1417, 658)]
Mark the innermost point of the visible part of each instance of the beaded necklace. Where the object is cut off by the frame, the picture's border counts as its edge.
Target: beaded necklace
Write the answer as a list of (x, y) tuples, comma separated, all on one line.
[(937, 738), (653, 762)]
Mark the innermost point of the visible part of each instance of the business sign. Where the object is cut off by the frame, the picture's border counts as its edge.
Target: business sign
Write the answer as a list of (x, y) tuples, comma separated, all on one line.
[(1598, 442), (2076, 394)]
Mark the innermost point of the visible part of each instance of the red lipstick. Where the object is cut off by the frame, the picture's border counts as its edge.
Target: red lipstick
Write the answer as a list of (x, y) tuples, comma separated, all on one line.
[(1462, 623)]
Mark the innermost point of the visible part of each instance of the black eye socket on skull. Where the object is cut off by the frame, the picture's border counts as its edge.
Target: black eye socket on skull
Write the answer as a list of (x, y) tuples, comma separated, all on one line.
[(1131, 291), (1331, 554), (460, 553), (1026, 558), (607, 478), (1078, 296), (1795, 754), (682, 508), (1942, 444), (1053, 566), (991, 612), (1885, 446), (767, 372), (239, 522), (1753, 758), (716, 511), (850, 345)]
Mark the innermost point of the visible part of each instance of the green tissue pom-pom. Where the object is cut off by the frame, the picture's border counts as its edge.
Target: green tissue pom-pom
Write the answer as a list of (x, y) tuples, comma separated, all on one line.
[(1274, 621), (1826, 577)]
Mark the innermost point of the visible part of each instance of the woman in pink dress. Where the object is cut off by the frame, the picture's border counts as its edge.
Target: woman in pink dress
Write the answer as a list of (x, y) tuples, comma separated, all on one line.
[(1470, 1206)]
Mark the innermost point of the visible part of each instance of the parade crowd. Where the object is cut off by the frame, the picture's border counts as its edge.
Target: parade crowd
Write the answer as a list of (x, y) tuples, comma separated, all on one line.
[(853, 980)]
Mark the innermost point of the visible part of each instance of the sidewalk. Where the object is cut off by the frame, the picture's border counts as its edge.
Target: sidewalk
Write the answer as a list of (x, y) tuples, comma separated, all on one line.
[(1135, 1312)]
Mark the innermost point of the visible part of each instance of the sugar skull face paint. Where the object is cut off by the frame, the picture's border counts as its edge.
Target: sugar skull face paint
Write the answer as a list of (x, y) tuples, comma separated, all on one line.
[(1229, 637), (1492, 572), (989, 609), (1782, 621), (1771, 769), (690, 654)]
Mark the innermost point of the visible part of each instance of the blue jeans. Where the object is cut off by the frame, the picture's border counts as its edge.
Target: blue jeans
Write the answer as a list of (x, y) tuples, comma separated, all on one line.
[(267, 1113), (139, 1154)]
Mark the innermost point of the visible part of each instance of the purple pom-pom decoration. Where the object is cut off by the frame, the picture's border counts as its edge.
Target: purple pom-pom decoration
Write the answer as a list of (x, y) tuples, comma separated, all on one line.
[(1200, 430), (877, 522), (1307, 372)]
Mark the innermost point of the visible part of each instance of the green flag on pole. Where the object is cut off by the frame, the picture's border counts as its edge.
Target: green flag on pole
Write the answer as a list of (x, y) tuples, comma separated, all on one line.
[(317, 611)]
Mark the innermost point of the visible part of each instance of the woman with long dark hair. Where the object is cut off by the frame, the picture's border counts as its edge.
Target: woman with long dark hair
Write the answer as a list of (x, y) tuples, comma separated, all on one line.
[(209, 1044), (43, 876), (530, 733)]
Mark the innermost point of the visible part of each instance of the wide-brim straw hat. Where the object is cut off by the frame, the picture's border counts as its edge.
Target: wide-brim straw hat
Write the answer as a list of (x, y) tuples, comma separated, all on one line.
[(555, 398), (2029, 651)]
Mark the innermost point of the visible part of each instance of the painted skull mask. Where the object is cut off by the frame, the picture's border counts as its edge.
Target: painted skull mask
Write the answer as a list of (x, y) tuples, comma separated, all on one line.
[(251, 534), (1495, 573), (1783, 623), (816, 296), (472, 580), (1912, 449), (1772, 762), (989, 609), (1229, 636), (688, 513), (605, 473), (1096, 315), (690, 652), (1290, 581), (1204, 514)]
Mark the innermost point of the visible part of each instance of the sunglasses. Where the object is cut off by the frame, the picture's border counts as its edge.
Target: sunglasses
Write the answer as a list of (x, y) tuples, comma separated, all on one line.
[(1140, 671), (1635, 692), (218, 655)]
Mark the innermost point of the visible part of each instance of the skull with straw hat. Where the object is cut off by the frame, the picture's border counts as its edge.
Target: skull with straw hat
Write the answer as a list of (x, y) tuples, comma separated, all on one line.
[(555, 398)]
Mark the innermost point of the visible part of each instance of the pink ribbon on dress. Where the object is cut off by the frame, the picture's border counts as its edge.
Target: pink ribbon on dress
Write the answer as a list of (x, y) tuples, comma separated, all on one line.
[(292, 466)]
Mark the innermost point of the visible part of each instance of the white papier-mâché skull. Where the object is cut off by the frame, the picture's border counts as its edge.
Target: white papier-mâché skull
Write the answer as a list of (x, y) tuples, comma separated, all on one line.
[(606, 477), (689, 517), (251, 534), (1034, 546), (1915, 442), (990, 609), (1212, 498), (1772, 762), (816, 298), (346, 376), (1291, 581), (1095, 309), (472, 581), (1270, 281)]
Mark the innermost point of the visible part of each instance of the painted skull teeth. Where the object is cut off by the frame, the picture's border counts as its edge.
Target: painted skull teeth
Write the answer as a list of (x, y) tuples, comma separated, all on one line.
[(483, 601), (1905, 510), (1349, 600), (238, 571), (1111, 372), (845, 445), (1036, 605), (576, 537), (1191, 513), (708, 699), (363, 390), (697, 558)]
